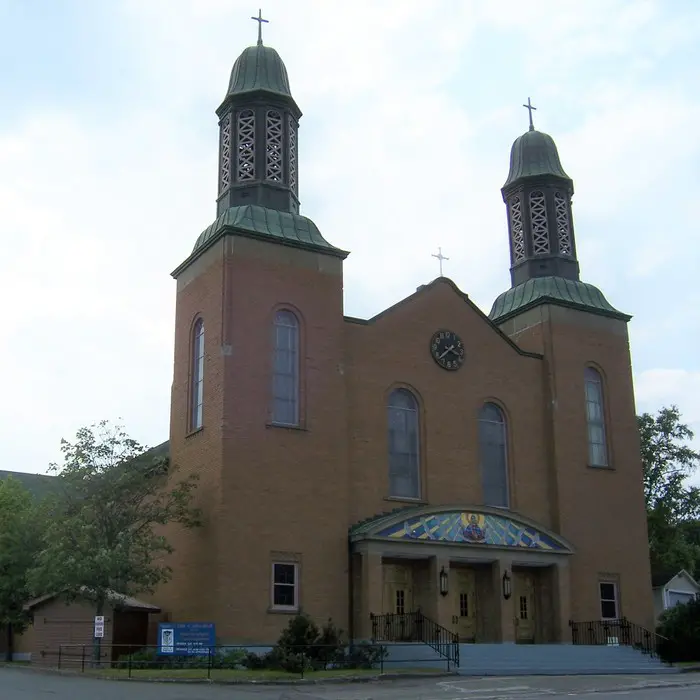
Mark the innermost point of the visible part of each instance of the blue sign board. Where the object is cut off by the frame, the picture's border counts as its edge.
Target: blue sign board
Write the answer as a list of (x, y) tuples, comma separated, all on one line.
[(186, 638)]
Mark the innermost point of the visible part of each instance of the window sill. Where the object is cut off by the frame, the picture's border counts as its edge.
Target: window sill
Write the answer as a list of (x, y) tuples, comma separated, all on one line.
[(603, 467), (192, 433), (272, 610), (406, 499), (300, 428)]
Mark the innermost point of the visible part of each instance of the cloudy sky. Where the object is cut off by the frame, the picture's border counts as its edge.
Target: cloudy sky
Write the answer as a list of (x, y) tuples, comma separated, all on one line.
[(108, 164)]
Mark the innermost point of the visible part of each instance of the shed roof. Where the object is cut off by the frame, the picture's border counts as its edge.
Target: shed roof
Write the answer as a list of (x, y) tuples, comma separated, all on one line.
[(120, 601)]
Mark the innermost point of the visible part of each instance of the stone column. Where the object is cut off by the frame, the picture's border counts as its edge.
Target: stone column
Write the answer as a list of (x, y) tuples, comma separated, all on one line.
[(371, 592), (440, 609), (503, 610), (561, 585)]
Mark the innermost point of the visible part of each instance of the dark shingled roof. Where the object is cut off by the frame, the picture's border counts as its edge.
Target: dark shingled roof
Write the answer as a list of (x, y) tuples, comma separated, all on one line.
[(39, 485)]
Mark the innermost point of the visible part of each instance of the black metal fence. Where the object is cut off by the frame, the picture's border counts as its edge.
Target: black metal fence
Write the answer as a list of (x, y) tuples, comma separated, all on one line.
[(619, 632), (243, 662), (416, 627)]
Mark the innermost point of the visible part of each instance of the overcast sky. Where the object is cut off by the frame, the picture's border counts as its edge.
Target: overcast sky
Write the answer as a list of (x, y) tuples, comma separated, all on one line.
[(108, 167)]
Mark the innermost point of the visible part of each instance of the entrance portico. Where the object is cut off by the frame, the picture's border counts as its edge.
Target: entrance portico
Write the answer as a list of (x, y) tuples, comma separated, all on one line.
[(485, 574)]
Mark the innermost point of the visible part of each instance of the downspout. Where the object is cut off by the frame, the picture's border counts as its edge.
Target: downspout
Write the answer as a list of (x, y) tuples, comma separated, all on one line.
[(351, 596)]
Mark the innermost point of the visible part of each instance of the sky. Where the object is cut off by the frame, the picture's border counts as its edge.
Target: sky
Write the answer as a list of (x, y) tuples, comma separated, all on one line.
[(108, 167)]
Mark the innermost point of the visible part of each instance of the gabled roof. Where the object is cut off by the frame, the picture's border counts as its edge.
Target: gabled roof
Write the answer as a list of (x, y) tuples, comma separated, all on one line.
[(38, 485), (422, 290), (662, 579), (120, 601)]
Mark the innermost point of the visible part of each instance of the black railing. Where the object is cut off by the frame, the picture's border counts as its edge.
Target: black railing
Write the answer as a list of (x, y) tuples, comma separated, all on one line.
[(619, 632), (416, 627)]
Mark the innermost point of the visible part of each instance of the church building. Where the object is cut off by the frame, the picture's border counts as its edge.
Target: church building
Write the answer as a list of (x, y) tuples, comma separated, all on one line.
[(481, 469)]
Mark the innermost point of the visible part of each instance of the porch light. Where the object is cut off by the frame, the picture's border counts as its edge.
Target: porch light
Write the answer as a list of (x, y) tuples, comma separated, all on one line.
[(507, 590), (443, 581)]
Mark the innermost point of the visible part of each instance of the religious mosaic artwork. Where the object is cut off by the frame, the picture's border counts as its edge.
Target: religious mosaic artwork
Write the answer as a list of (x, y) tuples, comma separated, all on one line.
[(471, 528)]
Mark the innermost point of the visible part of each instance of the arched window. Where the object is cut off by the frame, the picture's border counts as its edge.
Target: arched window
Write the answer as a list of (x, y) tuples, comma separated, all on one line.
[(595, 417), (197, 386), (493, 455), (285, 369), (404, 469)]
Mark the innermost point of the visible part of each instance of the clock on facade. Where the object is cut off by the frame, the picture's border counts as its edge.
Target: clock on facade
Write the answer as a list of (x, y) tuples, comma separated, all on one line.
[(447, 349)]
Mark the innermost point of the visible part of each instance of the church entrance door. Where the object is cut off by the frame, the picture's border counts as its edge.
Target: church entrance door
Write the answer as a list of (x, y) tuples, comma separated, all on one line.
[(525, 608), (464, 604), (397, 601)]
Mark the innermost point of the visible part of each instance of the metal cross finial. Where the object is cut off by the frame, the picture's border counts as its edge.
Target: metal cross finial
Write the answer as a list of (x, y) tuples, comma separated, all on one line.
[(259, 19), (529, 108), (440, 258)]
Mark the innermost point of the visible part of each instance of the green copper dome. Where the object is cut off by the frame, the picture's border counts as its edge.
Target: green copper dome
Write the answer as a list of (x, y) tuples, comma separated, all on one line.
[(259, 68), (556, 290), (252, 221), (534, 154)]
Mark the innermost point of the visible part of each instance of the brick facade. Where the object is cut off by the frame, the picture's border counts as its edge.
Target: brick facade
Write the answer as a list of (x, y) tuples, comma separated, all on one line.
[(555, 539), (291, 494)]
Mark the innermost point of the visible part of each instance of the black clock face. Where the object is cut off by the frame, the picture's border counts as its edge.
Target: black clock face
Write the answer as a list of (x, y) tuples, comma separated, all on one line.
[(447, 349)]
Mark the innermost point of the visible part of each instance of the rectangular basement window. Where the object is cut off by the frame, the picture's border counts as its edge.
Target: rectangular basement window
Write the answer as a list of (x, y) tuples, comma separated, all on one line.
[(285, 586)]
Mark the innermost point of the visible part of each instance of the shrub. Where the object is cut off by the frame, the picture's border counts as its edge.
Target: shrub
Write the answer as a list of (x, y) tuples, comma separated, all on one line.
[(305, 646), (680, 625), (365, 655)]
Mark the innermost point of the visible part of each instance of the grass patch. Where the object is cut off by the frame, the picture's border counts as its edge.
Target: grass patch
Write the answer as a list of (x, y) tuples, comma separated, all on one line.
[(246, 675)]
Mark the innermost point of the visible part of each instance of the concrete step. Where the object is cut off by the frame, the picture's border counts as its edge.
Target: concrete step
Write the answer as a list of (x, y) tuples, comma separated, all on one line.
[(533, 659)]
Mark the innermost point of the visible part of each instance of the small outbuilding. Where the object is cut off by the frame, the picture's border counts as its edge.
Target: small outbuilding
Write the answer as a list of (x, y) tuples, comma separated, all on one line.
[(63, 632), (673, 589)]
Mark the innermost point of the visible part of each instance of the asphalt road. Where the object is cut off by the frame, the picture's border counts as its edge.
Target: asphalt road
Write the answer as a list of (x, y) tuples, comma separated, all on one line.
[(24, 684)]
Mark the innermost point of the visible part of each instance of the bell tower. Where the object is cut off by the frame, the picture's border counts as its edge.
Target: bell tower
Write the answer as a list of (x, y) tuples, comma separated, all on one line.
[(258, 123), (258, 394), (591, 434), (538, 196)]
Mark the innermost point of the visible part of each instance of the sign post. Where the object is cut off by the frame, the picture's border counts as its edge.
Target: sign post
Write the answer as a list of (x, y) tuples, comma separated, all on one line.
[(99, 626)]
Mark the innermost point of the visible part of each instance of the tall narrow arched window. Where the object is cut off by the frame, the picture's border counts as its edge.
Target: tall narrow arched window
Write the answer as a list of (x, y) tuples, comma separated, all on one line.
[(493, 455), (285, 369), (197, 376), (595, 417), (404, 463)]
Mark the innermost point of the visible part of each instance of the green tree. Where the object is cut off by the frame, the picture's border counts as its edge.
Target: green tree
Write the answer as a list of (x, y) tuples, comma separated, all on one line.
[(20, 529), (672, 505), (104, 534)]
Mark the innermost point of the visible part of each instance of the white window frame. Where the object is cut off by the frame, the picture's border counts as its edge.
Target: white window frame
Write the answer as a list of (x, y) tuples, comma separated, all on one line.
[(667, 597), (286, 608), (616, 588)]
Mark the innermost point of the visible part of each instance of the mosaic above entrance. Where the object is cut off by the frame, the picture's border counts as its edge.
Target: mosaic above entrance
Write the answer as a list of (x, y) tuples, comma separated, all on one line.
[(471, 528)]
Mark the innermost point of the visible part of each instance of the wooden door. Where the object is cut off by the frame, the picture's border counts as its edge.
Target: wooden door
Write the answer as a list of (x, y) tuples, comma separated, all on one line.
[(464, 604), (398, 589), (397, 603), (525, 608)]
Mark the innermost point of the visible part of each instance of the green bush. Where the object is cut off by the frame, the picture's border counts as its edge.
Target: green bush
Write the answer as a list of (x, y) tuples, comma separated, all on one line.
[(305, 646), (680, 626)]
